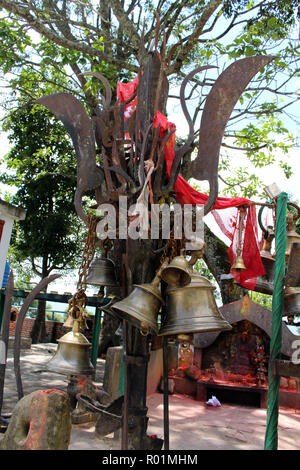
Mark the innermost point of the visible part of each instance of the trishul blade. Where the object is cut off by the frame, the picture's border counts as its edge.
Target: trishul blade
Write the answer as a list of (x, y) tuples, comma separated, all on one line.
[(79, 126), (217, 110)]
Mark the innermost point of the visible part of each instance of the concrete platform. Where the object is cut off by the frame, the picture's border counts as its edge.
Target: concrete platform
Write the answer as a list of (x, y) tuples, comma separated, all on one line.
[(193, 425)]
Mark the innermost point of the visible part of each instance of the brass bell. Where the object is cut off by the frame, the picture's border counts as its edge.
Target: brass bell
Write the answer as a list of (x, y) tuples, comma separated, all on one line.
[(72, 356), (238, 264), (141, 306), (192, 309), (266, 257), (265, 283), (291, 235), (69, 322), (291, 301), (177, 272), (269, 236), (102, 272)]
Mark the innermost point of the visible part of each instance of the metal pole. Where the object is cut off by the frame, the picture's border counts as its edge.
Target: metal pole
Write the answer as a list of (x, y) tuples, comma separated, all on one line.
[(166, 393)]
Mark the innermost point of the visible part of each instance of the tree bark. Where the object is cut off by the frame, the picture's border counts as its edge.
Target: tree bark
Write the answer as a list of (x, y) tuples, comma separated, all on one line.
[(107, 337), (217, 260), (139, 266), (38, 332)]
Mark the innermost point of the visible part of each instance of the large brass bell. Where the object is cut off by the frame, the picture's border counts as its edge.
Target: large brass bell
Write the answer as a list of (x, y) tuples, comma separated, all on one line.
[(102, 272), (141, 306), (192, 309), (291, 235), (72, 356), (177, 272), (265, 283)]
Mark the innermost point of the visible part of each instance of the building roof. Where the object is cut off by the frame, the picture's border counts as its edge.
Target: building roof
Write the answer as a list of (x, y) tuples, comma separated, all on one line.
[(9, 210)]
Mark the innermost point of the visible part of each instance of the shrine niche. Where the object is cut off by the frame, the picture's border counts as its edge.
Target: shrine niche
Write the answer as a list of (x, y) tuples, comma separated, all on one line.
[(246, 309), (238, 356), (233, 365)]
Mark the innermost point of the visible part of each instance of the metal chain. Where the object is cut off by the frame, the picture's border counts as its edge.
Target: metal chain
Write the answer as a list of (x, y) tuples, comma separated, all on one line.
[(78, 302), (88, 252), (172, 249)]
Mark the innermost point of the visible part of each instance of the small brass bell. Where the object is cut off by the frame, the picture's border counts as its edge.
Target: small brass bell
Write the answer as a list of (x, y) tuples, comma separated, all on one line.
[(192, 309), (267, 259), (238, 264), (69, 322), (269, 236), (141, 306), (291, 235), (72, 355), (265, 283), (291, 301), (102, 272), (177, 272)]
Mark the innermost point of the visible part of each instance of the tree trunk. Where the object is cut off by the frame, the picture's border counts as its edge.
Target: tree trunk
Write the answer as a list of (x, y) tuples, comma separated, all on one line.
[(137, 265), (108, 338), (38, 332), (217, 260)]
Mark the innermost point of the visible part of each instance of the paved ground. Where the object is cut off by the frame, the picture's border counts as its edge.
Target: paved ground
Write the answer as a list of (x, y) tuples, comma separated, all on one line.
[(193, 425)]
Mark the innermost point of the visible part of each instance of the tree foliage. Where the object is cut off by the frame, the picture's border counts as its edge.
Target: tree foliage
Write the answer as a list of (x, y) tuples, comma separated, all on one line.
[(41, 166), (48, 45)]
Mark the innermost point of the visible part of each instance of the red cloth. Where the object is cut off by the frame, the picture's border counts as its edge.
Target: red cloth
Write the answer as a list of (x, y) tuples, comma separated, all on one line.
[(124, 92), (186, 194), (229, 224)]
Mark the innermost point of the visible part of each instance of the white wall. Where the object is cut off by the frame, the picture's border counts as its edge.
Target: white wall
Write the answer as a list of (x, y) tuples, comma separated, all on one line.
[(4, 243)]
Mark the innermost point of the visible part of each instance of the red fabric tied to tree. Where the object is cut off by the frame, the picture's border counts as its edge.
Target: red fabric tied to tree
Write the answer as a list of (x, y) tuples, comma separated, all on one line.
[(228, 221), (124, 92), (186, 194)]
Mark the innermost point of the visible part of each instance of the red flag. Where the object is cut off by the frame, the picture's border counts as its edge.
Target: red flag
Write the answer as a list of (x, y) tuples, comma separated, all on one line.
[(124, 92), (228, 222)]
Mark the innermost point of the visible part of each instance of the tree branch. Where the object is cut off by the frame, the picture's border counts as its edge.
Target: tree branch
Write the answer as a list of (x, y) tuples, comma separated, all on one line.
[(39, 26), (192, 39)]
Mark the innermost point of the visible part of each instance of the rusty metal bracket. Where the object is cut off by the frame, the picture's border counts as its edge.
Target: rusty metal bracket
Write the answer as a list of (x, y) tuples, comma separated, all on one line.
[(22, 313), (80, 128), (218, 107), (110, 417)]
